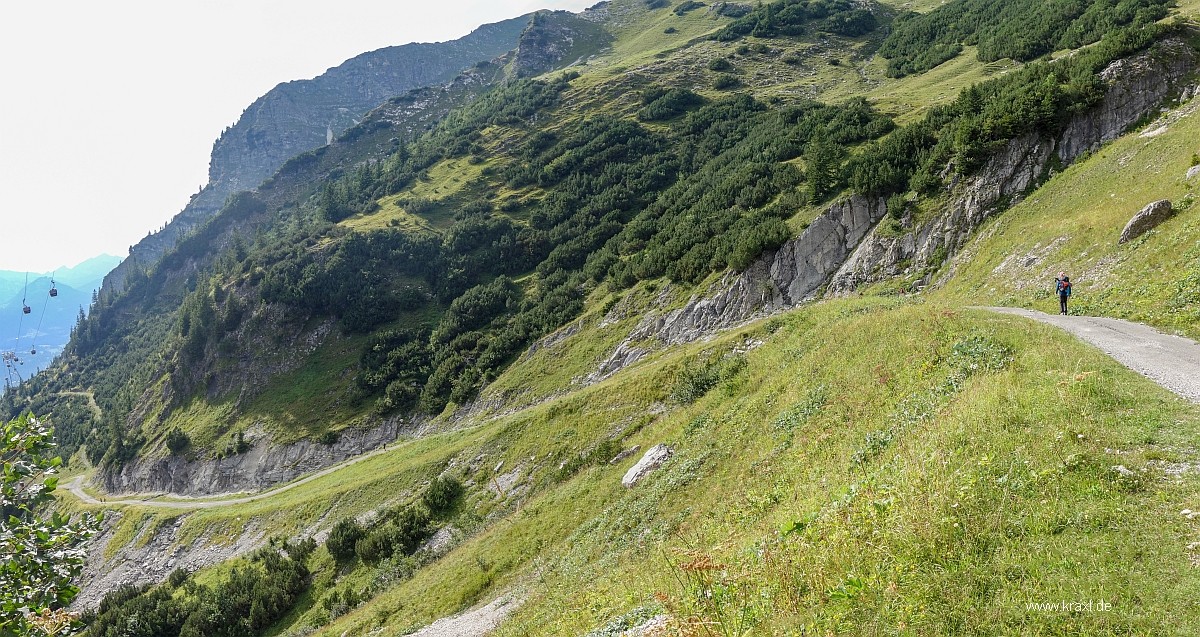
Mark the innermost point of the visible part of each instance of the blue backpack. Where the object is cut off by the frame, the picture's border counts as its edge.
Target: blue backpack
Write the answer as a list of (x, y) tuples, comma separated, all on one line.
[(1063, 286)]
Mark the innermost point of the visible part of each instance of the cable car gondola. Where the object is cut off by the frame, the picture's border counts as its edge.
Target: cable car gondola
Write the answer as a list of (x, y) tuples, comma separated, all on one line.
[(53, 289), (26, 309)]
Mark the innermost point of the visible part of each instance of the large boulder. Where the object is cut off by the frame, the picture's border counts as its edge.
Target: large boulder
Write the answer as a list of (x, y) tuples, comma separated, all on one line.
[(652, 460), (1150, 216)]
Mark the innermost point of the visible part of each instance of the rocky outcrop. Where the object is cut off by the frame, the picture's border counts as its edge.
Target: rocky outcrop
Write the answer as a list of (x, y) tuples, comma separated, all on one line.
[(555, 39), (1146, 220), (793, 273), (264, 465), (653, 459), (845, 248), (1004, 178), (1136, 87), (150, 558), (730, 9)]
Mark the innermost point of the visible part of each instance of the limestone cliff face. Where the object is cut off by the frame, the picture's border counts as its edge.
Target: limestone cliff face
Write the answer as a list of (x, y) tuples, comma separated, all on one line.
[(299, 116), (780, 279), (1136, 87)]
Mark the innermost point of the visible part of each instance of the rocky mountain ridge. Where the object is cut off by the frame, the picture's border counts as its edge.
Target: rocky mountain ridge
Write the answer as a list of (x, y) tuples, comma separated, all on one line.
[(301, 115)]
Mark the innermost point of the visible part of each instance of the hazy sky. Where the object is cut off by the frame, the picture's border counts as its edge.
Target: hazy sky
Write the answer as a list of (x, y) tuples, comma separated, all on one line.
[(110, 109)]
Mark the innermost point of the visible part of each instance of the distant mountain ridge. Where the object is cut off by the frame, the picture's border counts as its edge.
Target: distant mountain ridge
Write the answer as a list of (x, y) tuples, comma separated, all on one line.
[(302, 115), (39, 336), (87, 273)]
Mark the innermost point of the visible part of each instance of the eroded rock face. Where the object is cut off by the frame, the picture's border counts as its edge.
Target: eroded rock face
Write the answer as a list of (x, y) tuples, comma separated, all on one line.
[(263, 465), (1005, 177), (1136, 87), (1149, 217), (152, 556), (779, 279), (552, 39)]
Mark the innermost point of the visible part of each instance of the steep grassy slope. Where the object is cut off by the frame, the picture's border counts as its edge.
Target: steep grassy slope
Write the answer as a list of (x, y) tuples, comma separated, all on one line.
[(872, 466)]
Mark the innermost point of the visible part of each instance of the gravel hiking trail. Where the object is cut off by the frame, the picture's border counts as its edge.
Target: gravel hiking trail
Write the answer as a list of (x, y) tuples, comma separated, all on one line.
[(1170, 361)]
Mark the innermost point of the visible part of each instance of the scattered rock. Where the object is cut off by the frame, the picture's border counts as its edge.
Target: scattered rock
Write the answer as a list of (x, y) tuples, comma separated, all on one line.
[(625, 454), (656, 625), (1192, 172), (1174, 469), (1124, 471), (654, 458), (440, 542), (1149, 217), (504, 485)]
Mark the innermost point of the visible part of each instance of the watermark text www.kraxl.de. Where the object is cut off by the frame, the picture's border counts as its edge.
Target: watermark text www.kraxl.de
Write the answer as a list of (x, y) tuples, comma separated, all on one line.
[(1090, 606)]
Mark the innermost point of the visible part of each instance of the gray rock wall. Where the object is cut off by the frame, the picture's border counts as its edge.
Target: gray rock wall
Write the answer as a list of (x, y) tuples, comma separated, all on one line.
[(1137, 87), (779, 279)]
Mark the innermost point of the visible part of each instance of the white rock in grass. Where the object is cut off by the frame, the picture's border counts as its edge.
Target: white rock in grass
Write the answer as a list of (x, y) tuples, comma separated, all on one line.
[(652, 460), (1144, 221)]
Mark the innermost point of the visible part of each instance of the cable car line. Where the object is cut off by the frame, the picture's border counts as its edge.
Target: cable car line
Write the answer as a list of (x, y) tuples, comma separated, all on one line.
[(38, 331)]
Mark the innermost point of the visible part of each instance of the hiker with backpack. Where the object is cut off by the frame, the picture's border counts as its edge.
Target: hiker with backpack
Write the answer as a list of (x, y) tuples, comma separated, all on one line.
[(1062, 287)]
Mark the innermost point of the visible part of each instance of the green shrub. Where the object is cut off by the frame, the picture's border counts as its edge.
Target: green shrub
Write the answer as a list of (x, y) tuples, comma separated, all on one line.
[(725, 82), (720, 64), (342, 538), (177, 441), (442, 493)]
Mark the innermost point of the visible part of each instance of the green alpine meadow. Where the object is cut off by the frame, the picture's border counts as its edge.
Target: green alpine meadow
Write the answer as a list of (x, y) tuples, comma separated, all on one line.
[(660, 318)]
